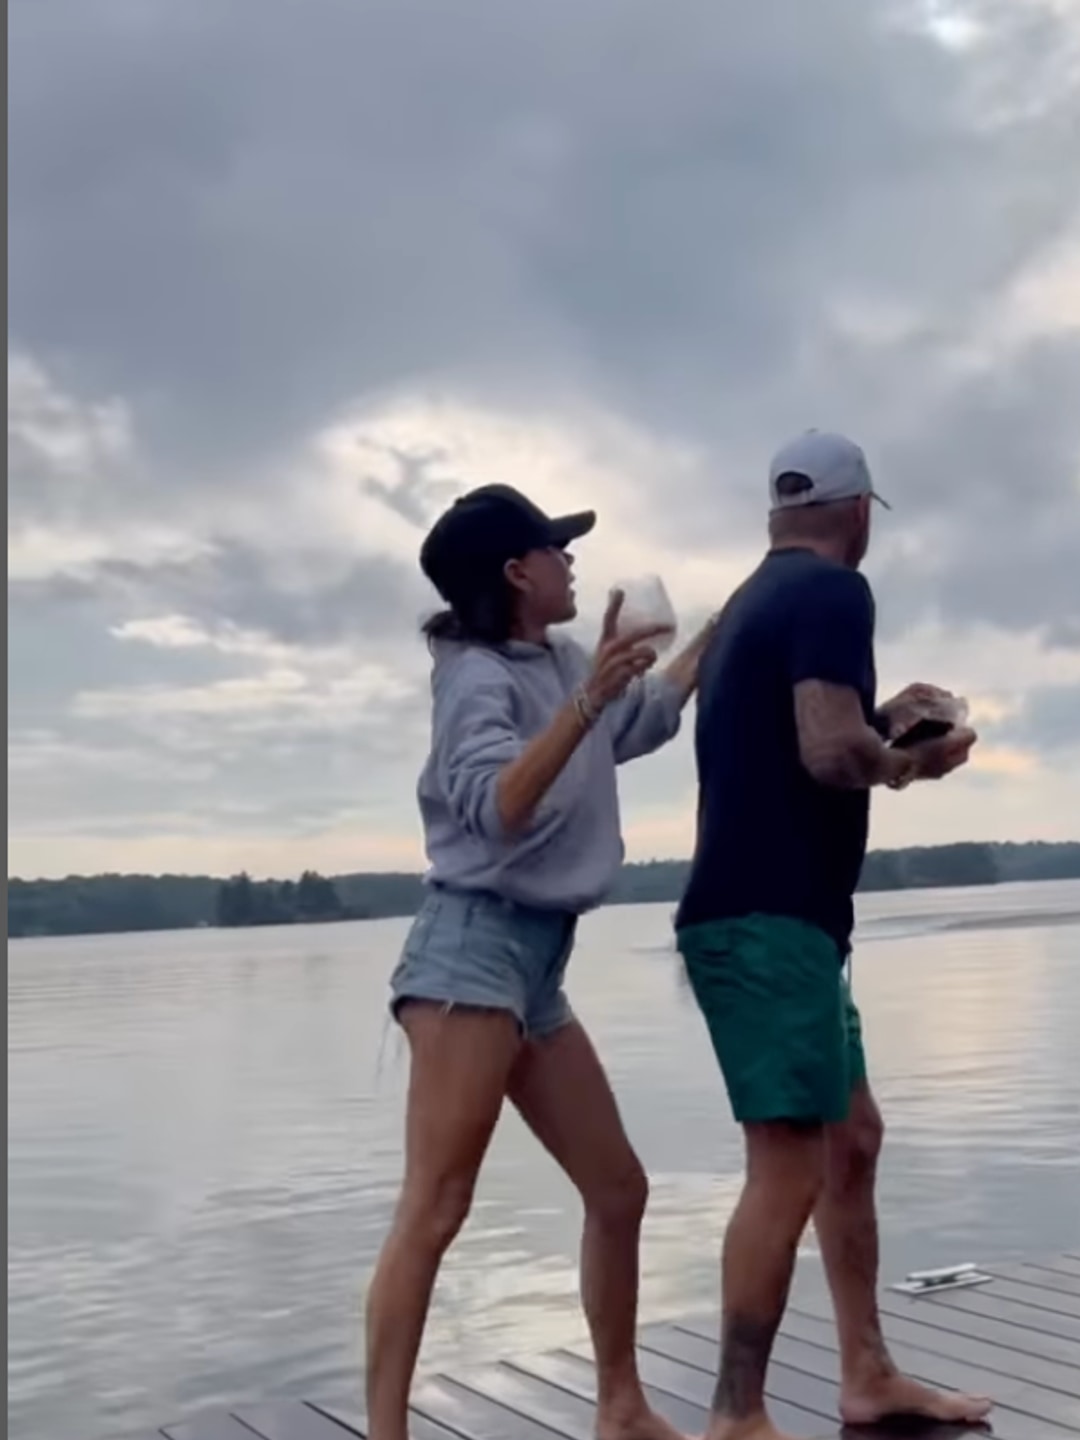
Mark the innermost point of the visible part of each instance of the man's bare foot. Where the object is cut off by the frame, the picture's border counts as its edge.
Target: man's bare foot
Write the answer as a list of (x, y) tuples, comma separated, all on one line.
[(895, 1396)]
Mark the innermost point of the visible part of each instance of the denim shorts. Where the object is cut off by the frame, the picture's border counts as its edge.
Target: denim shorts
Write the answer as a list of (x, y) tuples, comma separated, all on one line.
[(485, 953)]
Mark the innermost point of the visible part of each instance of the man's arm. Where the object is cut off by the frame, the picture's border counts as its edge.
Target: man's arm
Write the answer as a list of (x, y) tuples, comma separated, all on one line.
[(836, 744), (831, 655)]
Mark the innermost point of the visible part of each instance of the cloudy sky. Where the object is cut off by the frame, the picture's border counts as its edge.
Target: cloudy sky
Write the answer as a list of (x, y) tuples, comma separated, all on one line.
[(284, 278)]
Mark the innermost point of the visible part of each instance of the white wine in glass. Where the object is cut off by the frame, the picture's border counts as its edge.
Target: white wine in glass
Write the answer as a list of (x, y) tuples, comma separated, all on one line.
[(646, 603)]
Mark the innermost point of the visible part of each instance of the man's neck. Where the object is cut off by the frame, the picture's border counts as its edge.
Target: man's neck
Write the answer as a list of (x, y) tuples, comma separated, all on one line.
[(827, 549)]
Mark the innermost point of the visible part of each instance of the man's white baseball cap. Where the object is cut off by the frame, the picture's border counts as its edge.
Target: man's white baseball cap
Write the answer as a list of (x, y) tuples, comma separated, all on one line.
[(818, 468)]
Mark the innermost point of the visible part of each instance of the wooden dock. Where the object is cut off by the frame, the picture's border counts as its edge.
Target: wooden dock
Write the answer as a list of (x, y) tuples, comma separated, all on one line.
[(1016, 1338)]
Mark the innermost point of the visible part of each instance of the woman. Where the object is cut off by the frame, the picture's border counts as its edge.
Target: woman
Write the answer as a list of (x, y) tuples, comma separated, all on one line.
[(521, 819)]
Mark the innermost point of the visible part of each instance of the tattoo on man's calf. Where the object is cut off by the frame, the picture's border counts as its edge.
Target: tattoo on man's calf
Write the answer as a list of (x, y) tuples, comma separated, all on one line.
[(744, 1358)]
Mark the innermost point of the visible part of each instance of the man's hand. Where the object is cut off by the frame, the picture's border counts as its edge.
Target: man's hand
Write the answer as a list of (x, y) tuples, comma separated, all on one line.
[(913, 702), (934, 759), (837, 746)]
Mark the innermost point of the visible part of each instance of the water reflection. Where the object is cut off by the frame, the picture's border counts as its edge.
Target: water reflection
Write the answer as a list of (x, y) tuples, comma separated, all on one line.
[(205, 1143)]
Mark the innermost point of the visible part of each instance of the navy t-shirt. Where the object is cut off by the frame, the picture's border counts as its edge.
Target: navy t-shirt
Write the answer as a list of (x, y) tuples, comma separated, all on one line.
[(771, 839)]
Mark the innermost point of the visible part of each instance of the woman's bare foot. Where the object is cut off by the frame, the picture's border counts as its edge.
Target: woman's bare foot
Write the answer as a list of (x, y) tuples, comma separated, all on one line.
[(754, 1427), (890, 1396), (636, 1422)]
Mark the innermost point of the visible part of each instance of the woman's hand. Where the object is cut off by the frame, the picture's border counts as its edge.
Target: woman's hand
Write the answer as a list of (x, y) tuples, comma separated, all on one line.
[(619, 659), (523, 783)]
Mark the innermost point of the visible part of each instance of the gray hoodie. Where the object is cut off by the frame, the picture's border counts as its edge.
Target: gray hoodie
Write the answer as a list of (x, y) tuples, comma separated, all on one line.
[(488, 703)]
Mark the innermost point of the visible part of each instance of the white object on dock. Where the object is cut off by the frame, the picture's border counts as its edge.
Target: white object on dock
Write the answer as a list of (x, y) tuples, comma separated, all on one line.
[(951, 1277)]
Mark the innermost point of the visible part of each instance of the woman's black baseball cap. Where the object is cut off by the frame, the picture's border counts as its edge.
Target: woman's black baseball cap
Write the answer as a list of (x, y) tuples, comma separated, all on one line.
[(470, 544)]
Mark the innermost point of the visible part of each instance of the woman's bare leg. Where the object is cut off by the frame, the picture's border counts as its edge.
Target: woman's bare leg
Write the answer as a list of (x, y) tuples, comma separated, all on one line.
[(460, 1067), (562, 1093)]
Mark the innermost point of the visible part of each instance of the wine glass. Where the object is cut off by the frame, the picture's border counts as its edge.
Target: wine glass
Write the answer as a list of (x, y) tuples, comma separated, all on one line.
[(646, 603)]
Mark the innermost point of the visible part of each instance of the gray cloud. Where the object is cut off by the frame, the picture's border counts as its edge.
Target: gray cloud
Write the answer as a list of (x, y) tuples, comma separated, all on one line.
[(247, 214), (1064, 635), (723, 223), (92, 744), (990, 476), (312, 598), (415, 495), (1049, 721), (241, 218)]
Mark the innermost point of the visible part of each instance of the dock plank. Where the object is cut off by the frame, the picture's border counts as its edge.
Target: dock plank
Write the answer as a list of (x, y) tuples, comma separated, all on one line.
[(354, 1420), (690, 1382), (806, 1391), (1057, 1265), (1021, 1412), (1016, 1305), (969, 1324), (578, 1377), (1014, 1364), (219, 1426), (291, 1420), (535, 1399), (1051, 1408), (1024, 1292), (468, 1413), (994, 1300), (826, 1394), (351, 1418), (1016, 1339), (1054, 1283)]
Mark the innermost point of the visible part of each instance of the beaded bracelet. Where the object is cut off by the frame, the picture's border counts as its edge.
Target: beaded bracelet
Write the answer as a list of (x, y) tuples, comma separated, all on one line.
[(902, 781), (587, 712)]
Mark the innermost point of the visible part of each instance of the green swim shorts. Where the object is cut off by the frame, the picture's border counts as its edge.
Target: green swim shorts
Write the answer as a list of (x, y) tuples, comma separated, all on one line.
[(780, 1015)]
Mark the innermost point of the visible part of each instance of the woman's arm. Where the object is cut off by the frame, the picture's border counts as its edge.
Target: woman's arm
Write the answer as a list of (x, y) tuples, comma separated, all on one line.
[(682, 672), (493, 780), (620, 661), (648, 714), (522, 784)]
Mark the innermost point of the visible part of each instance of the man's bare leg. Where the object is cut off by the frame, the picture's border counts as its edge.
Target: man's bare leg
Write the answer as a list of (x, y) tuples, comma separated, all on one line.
[(563, 1095), (461, 1062), (846, 1223), (784, 1172)]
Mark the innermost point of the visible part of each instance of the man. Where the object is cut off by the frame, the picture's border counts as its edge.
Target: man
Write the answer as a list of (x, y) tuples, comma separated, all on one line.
[(789, 745)]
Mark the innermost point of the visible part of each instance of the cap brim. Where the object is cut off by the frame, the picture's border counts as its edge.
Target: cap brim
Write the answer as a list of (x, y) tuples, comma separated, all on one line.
[(568, 528)]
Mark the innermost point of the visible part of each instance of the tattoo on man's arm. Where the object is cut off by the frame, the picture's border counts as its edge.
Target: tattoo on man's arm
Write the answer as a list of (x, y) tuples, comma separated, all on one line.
[(855, 768), (745, 1347), (837, 745)]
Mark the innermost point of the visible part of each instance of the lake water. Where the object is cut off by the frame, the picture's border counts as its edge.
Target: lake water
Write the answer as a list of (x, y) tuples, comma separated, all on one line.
[(205, 1144)]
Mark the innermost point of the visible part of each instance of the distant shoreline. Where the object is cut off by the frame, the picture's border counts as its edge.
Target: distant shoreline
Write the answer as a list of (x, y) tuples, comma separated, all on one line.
[(121, 904)]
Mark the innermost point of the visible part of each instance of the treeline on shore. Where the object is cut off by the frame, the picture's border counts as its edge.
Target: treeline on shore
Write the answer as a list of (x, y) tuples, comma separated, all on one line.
[(109, 904)]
